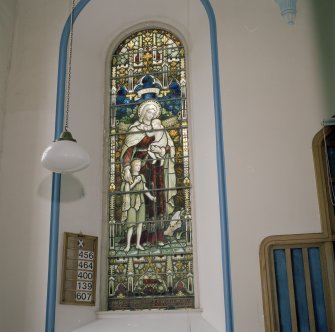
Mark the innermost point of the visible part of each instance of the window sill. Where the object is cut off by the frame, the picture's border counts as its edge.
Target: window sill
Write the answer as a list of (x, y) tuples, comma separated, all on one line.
[(190, 320)]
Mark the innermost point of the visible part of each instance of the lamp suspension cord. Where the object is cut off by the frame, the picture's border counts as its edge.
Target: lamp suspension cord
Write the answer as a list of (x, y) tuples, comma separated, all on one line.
[(66, 126)]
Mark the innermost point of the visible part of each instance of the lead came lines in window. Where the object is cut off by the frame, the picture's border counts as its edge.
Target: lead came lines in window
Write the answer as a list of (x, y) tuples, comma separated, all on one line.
[(150, 240)]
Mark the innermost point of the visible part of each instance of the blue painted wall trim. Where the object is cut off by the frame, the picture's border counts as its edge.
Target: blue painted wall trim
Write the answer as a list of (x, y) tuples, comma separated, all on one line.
[(53, 254), (225, 244), (54, 222), (56, 178)]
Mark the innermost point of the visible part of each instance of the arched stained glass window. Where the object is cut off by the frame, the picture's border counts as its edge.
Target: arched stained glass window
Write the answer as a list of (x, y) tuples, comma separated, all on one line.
[(150, 227)]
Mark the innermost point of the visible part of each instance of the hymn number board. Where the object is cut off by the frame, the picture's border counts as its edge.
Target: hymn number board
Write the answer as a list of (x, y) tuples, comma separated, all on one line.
[(79, 269)]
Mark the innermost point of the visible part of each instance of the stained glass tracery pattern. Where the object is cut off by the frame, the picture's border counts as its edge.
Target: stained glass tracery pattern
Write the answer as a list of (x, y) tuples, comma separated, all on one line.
[(150, 237)]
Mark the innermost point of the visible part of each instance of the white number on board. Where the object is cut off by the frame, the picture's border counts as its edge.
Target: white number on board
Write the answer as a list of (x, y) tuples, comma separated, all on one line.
[(86, 254), (84, 275), (83, 296)]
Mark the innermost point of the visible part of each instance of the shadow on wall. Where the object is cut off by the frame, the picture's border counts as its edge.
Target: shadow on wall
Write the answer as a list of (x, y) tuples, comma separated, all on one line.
[(71, 188), (324, 18)]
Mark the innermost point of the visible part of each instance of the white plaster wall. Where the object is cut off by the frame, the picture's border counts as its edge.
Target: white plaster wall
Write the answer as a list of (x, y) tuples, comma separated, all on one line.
[(91, 44), (7, 23), (272, 106), (25, 186)]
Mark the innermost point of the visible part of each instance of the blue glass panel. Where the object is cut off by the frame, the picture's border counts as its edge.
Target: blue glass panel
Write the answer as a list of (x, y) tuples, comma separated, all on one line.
[(282, 291), (300, 290), (126, 102), (317, 290)]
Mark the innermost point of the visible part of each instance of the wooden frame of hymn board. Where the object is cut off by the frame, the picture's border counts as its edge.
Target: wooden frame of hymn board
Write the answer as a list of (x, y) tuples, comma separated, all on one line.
[(79, 269)]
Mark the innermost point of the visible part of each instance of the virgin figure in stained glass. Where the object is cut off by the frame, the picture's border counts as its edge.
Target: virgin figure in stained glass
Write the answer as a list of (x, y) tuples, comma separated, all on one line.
[(160, 177)]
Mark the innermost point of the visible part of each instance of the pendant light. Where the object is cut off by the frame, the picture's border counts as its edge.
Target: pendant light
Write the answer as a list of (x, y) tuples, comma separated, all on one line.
[(65, 155)]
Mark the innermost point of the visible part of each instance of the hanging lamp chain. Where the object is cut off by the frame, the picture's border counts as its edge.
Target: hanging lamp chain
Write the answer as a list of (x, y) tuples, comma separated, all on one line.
[(66, 126)]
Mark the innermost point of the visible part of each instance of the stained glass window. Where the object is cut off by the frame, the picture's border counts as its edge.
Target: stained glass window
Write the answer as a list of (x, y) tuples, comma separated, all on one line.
[(150, 225)]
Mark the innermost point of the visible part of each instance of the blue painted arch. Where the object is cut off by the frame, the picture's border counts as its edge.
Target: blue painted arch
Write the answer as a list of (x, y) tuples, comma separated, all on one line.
[(56, 180)]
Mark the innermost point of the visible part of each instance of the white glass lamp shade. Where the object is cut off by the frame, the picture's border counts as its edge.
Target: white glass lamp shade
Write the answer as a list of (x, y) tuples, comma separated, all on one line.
[(65, 156)]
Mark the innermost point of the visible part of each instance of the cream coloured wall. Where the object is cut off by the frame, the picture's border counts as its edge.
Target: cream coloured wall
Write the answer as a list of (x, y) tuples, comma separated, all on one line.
[(272, 105), (90, 49), (7, 23), (24, 185)]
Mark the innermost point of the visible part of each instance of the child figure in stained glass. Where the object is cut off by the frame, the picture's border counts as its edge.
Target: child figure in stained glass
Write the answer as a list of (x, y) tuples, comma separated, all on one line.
[(133, 205), (157, 149)]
